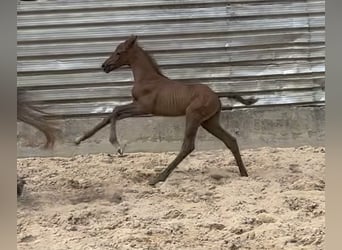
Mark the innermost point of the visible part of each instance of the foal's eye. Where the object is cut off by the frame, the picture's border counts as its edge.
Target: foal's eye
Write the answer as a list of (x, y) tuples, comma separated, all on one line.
[(118, 53)]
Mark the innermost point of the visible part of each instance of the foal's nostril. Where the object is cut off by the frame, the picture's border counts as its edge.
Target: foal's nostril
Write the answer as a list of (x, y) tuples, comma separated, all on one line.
[(103, 65)]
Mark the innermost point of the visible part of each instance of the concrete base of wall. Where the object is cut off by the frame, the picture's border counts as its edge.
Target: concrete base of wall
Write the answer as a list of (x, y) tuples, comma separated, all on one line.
[(273, 127)]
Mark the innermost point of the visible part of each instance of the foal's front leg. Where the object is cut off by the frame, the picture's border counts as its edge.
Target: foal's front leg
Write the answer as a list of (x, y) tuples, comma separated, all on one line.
[(121, 113), (117, 110)]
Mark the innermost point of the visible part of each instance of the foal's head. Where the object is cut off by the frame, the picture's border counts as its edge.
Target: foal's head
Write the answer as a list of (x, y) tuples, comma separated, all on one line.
[(120, 55)]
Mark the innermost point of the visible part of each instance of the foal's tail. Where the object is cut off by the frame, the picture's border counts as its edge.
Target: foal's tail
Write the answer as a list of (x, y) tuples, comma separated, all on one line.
[(246, 101), (32, 115)]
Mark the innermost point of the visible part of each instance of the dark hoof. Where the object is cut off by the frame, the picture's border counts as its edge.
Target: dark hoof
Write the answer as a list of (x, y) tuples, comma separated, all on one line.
[(120, 152), (152, 182), (244, 174), (251, 101), (77, 141)]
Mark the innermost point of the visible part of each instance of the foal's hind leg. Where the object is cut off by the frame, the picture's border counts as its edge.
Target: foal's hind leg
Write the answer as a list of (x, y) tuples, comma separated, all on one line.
[(188, 146), (213, 126)]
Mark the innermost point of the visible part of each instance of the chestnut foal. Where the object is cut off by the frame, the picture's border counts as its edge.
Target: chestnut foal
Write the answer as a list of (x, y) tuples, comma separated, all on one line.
[(155, 94)]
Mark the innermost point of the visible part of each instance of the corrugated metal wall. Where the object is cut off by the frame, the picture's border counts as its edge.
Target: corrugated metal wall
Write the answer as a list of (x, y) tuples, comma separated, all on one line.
[(274, 50)]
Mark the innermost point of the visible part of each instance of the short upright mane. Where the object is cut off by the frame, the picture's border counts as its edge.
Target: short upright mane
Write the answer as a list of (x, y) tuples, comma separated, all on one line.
[(152, 60)]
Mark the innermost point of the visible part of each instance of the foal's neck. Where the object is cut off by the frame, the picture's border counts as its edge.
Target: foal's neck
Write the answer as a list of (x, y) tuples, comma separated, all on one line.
[(143, 67)]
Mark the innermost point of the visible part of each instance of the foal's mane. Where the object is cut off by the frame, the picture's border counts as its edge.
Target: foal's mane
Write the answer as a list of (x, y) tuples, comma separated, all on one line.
[(152, 61)]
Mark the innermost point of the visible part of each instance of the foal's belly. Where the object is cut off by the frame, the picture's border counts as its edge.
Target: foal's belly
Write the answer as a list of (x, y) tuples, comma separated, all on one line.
[(168, 111), (171, 103), (151, 104)]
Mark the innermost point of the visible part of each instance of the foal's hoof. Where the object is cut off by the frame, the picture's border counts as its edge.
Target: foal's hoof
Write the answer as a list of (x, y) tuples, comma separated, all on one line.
[(120, 152), (152, 182), (244, 174), (77, 141)]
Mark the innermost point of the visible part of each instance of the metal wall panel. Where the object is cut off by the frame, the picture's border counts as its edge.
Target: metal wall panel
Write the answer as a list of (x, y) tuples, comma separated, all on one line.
[(274, 50)]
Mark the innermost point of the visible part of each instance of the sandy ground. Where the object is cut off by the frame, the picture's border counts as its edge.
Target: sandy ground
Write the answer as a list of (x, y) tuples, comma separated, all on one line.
[(103, 201)]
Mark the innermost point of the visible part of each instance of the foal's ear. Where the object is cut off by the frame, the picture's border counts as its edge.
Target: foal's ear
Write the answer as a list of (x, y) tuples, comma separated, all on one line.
[(131, 41)]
